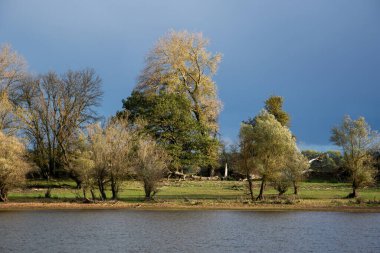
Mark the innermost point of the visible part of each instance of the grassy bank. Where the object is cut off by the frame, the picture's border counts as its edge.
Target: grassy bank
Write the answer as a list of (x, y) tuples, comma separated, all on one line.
[(199, 195)]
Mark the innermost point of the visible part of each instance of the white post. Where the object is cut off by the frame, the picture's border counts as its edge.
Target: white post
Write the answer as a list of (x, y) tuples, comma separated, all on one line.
[(225, 171)]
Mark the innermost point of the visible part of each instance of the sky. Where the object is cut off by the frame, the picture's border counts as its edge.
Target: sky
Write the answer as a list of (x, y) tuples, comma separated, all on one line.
[(322, 56)]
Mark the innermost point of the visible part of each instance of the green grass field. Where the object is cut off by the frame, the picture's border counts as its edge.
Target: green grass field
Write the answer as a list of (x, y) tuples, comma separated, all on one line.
[(205, 191)]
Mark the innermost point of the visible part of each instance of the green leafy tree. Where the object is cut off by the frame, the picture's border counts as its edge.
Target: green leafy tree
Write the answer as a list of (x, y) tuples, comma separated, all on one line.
[(358, 142), (181, 64), (272, 143), (168, 120), (296, 168), (274, 106)]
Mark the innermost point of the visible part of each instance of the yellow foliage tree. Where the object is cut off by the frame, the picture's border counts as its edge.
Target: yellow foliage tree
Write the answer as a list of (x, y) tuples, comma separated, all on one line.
[(13, 165)]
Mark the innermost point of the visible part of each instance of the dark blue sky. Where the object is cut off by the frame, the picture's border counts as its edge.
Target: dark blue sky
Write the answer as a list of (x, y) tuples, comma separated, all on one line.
[(322, 56)]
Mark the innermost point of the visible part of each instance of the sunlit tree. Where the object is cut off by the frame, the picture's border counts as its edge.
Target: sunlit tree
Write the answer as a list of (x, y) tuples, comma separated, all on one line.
[(112, 153), (274, 106), (12, 68), (12, 72), (151, 163), (358, 142), (272, 144), (294, 171), (180, 64), (52, 109), (13, 165)]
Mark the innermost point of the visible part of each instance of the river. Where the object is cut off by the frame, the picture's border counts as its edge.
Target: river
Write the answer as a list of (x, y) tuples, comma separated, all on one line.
[(188, 231)]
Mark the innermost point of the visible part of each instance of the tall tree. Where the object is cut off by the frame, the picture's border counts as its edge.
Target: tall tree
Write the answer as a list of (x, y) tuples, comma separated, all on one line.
[(274, 106), (52, 108), (358, 142), (272, 144), (181, 64), (12, 68), (12, 72)]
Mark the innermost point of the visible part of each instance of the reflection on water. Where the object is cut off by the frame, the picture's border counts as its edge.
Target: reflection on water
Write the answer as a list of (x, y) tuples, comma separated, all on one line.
[(188, 231)]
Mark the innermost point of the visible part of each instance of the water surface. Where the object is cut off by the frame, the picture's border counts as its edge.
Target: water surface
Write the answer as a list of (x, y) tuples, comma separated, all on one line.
[(188, 231)]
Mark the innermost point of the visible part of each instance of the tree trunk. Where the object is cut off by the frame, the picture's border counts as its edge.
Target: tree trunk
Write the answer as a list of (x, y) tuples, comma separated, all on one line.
[(48, 193), (147, 194), (114, 191), (354, 194), (261, 194), (211, 170), (103, 195), (148, 189), (250, 186), (76, 179), (3, 195), (84, 193), (295, 186), (93, 194)]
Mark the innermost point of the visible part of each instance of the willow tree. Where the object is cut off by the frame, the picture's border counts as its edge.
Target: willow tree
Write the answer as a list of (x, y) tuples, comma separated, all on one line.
[(358, 142), (180, 64), (111, 150), (13, 165), (296, 167), (151, 162), (272, 143)]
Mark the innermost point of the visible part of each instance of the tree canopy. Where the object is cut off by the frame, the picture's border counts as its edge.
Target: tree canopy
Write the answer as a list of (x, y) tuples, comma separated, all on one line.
[(358, 142), (274, 106), (178, 98), (272, 143)]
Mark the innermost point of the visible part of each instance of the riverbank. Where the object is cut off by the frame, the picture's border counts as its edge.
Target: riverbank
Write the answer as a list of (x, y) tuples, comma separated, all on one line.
[(198, 195), (348, 206)]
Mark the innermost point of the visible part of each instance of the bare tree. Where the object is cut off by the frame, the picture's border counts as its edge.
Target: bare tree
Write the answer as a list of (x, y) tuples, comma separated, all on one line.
[(13, 165), (358, 141), (83, 165), (151, 164), (52, 109), (112, 148)]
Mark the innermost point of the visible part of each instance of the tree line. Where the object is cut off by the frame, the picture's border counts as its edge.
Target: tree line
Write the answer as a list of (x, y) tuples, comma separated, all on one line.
[(169, 124)]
